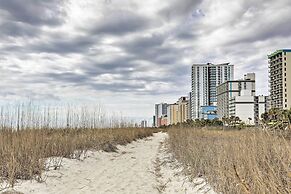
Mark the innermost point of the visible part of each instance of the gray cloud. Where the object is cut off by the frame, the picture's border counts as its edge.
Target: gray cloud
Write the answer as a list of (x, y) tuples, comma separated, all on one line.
[(120, 22), (180, 9), (263, 22), (117, 87), (17, 29), (65, 77), (151, 48), (64, 45), (40, 12), (115, 65), (144, 42)]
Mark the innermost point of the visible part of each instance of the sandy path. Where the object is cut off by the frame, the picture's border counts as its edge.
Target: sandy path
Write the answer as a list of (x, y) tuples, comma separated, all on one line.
[(134, 169)]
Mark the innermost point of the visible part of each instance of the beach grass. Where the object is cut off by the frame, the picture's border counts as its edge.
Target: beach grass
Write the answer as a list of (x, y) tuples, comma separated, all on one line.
[(24, 153), (234, 161)]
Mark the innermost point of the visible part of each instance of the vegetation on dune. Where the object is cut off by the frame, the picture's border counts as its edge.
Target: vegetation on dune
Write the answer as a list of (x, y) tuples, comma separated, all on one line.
[(23, 153), (246, 161), (199, 123), (33, 139), (277, 121), (252, 160)]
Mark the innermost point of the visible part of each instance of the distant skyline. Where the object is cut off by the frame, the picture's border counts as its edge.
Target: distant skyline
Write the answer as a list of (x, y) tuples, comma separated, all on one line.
[(129, 55)]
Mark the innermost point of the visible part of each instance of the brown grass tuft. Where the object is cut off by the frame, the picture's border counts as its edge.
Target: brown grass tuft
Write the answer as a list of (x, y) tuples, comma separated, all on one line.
[(23, 153), (247, 161)]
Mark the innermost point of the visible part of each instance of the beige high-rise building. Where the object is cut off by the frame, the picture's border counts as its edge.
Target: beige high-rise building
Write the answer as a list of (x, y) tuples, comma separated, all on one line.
[(182, 109), (172, 113), (280, 79)]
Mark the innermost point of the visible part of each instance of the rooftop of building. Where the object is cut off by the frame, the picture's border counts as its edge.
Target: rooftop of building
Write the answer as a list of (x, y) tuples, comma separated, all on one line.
[(162, 103), (173, 104), (240, 80), (278, 52), (235, 81), (183, 98), (212, 64)]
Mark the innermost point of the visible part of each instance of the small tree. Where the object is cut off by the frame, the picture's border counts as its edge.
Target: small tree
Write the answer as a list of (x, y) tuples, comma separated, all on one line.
[(265, 117), (232, 120), (237, 120)]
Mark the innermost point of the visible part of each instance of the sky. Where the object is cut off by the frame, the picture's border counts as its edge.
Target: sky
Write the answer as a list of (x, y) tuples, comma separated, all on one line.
[(129, 54)]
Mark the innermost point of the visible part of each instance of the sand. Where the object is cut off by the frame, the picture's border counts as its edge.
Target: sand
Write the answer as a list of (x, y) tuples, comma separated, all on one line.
[(143, 166)]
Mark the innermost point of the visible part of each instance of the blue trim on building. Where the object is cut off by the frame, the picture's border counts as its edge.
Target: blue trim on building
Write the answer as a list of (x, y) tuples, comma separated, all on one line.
[(278, 52), (209, 112)]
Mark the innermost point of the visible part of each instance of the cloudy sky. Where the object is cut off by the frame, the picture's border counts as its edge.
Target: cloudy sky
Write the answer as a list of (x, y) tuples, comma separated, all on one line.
[(130, 54)]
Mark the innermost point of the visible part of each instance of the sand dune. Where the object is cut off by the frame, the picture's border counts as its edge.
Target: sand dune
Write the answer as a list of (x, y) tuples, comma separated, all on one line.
[(143, 166)]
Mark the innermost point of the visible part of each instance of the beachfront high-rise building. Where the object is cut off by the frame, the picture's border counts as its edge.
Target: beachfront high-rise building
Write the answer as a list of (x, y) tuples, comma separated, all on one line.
[(160, 112), (144, 124), (232, 88), (205, 79), (182, 109), (172, 113), (280, 79), (247, 107), (237, 98), (261, 106)]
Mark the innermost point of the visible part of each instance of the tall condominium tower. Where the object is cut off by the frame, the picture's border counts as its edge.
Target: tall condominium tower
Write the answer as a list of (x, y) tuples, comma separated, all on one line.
[(280, 79), (205, 79)]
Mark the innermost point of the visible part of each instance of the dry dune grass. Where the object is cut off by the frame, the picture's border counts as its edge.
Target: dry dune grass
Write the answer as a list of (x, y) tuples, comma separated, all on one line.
[(31, 133), (247, 161), (23, 153)]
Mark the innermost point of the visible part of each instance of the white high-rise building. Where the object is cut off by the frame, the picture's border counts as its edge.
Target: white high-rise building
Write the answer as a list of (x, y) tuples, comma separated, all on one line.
[(247, 107), (144, 124), (237, 98), (232, 88), (205, 79)]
